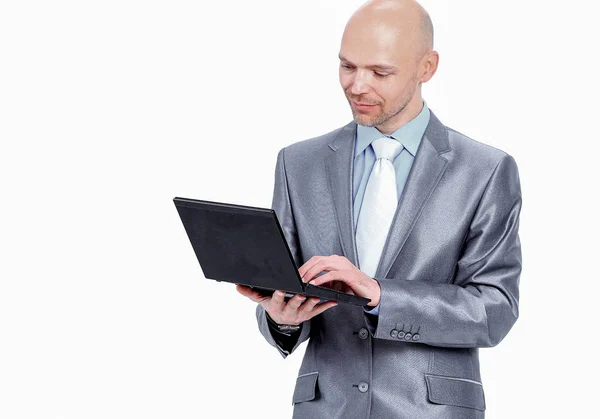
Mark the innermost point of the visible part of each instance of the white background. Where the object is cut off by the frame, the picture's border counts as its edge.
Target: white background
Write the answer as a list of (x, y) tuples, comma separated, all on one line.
[(109, 109)]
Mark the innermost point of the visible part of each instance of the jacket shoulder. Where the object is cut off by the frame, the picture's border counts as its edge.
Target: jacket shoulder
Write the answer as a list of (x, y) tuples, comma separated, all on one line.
[(311, 146), (464, 145)]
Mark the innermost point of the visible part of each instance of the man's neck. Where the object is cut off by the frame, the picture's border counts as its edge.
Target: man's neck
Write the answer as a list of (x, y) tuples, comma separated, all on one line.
[(408, 114)]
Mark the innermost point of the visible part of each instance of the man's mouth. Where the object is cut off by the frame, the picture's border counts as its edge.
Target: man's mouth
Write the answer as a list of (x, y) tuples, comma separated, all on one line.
[(363, 106)]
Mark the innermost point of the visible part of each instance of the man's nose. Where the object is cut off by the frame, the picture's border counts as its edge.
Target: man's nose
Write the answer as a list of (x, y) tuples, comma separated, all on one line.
[(359, 84)]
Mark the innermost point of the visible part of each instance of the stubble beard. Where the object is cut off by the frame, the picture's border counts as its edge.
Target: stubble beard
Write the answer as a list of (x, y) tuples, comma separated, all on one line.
[(383, 117)]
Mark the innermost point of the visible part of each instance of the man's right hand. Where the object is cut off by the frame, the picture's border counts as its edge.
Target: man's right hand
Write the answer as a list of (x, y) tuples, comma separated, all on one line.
[(297, 310)]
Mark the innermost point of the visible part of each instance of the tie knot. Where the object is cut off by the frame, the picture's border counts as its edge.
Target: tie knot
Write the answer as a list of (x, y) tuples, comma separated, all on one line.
[(386, 148)]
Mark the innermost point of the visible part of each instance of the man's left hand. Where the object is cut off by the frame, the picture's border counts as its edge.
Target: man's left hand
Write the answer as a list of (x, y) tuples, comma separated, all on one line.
[(341, 269)]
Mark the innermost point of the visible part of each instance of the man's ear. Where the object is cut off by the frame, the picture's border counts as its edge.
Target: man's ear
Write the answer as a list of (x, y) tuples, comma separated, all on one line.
[(428, 66)]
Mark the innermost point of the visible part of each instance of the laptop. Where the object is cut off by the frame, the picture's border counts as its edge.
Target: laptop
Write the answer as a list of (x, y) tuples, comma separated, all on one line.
[(246, 245)]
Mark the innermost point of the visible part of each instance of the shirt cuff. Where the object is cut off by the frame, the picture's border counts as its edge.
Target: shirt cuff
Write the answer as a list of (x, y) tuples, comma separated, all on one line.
[(372, 310)]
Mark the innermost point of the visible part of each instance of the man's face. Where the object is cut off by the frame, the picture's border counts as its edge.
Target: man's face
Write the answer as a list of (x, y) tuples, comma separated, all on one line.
[(378, 72)]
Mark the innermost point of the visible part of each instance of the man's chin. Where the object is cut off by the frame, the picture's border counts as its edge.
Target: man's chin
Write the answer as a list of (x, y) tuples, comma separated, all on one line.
[(364, 120)]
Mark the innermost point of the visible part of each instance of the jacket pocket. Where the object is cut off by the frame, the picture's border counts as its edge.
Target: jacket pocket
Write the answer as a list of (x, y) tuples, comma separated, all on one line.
[(306, 387), (455, 391)]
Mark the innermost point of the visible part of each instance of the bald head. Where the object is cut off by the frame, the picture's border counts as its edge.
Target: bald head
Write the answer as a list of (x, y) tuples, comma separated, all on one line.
[(404, 19), (385, 55)]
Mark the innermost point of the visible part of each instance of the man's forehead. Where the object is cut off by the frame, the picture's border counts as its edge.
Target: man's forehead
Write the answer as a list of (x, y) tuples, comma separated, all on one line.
[(373, 51)]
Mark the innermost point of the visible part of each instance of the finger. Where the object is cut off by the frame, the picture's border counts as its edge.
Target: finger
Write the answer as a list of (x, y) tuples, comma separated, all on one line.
[(295, 302), (277, 300), (322, 307), (242, 289), (328, 277), (328, 264), (306, 266), (325, 263), (250, 293), (315, 265), (310, 304)]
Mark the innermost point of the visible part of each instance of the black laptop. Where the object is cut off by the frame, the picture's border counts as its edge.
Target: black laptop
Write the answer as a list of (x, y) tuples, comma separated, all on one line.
[(245, 245)]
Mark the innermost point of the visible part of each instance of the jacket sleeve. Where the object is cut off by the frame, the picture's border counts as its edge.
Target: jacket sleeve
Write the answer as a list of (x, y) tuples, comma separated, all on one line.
[(283, 209), (480, 305)]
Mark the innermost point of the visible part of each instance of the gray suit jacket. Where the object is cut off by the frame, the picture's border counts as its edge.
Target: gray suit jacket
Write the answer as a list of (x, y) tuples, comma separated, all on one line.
[(449, 276)]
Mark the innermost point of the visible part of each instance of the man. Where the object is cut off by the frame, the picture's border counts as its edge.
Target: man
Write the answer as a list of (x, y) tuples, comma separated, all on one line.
[(437, 245)]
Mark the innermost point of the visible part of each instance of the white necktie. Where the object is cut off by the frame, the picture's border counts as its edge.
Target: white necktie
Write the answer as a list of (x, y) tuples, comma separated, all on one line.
[(379, 205)]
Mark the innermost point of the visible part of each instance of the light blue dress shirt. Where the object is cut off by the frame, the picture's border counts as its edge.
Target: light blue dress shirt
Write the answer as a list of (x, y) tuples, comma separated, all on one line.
[(409, 135)]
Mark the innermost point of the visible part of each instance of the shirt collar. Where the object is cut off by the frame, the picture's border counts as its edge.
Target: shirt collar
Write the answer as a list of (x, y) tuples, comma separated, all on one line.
[(409, 134)]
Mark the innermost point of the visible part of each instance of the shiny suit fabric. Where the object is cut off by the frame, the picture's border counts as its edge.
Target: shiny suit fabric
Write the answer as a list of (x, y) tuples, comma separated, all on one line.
[(449, 276)]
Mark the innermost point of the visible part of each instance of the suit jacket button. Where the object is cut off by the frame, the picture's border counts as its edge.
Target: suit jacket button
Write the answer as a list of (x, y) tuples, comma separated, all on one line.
[(363, 387), (401, 334), (363, 333), (416, 336), (394, 334), (408, 336)]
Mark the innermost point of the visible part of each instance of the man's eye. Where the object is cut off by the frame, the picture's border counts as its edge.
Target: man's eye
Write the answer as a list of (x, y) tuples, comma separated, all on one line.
[(346, 66), (381, 74)]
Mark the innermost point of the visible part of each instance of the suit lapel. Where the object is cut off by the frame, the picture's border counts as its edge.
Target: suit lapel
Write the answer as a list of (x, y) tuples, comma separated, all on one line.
[(339, 166), (425, 173), (427, 169)]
